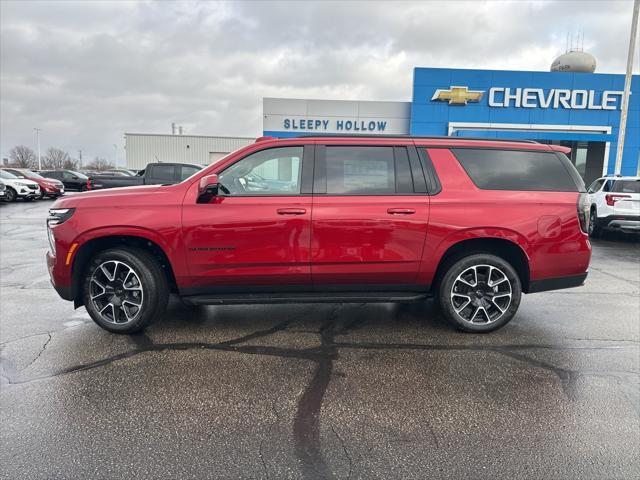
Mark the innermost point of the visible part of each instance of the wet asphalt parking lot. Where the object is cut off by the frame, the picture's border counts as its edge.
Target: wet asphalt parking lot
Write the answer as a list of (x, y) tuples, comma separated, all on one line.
[(318, 391)]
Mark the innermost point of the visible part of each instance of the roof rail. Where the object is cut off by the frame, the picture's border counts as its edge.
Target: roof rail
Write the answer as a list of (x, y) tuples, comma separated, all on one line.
[(427, 137)]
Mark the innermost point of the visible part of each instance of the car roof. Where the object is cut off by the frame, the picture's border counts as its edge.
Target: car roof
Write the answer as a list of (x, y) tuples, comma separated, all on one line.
[(619, 177), (433, 141)]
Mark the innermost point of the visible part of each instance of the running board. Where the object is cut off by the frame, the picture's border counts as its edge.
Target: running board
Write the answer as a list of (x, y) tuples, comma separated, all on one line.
[(332, 297)]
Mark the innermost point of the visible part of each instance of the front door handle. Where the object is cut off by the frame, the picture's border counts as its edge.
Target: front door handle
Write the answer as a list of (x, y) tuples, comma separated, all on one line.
[(292, 211), (401, 211)]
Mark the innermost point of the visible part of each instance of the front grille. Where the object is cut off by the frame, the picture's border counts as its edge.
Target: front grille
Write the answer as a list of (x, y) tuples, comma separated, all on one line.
[(32, 187)]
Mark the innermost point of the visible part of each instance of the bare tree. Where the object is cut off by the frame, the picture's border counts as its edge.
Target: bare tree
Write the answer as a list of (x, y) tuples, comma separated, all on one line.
[(71, 164), (99, 164), (23, 157), (56, 158)]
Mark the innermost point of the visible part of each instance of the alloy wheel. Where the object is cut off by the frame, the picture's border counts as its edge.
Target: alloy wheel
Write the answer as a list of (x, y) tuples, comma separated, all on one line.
[(481, 294), (592, 222), (116, 292)]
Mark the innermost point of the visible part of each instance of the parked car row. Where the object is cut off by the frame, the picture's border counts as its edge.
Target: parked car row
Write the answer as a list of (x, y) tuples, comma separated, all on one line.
[(25, 184), (19, 187)]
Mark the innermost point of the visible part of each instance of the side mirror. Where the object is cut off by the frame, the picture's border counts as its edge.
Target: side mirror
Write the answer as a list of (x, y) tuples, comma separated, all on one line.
[(208, 188)]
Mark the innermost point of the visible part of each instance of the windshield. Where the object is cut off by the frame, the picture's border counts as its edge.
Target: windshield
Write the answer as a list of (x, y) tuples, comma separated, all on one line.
[(209, 167), (31, 174), (7, 175), (78, 174)]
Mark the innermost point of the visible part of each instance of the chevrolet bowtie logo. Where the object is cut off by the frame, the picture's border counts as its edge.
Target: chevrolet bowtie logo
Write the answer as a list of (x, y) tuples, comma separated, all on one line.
[(457, 95)]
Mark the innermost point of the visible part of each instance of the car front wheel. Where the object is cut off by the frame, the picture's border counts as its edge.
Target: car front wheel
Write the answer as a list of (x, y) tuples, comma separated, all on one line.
[(479, 293), (125, 290), (11, 195)]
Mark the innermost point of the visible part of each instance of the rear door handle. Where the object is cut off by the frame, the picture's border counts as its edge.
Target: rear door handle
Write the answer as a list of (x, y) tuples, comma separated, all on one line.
[(401, 211), (292, 211)]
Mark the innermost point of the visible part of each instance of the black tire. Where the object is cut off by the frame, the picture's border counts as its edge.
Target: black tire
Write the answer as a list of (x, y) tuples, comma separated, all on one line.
[(493, 313), (11, 195), (594, 230), (154, 291), (83, 188)]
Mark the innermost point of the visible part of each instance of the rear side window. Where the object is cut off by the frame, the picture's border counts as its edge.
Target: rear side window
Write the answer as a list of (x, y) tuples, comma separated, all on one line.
[(515, 170), (355, 170), (626, 186)]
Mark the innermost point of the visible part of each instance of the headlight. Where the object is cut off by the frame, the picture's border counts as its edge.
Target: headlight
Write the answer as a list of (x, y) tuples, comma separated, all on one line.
[(59, 215), (56, 217), (52, 240)]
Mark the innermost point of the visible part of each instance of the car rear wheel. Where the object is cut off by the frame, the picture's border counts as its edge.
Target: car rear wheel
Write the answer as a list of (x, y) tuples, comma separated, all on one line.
[(594, 230), (11, 195), (479, 293), (125, 290)]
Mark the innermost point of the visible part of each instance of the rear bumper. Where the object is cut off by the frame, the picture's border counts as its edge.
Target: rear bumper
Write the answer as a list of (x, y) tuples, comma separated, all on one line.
[(626, 223), (557, 283)]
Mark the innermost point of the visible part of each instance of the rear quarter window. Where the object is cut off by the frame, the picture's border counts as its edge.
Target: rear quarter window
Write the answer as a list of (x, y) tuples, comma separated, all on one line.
[(516, 170), (626, 186)]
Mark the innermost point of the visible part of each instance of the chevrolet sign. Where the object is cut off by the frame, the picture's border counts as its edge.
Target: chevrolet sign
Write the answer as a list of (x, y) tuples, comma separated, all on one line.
[(506, 97), (457, 95)]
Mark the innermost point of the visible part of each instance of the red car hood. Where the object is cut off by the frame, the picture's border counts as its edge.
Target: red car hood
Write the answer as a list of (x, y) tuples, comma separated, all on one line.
[(109, 196)]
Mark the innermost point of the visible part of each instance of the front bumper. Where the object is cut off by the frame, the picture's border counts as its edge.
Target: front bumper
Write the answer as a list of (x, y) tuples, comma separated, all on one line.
[(52, 191), (65, 291), (28, 193)]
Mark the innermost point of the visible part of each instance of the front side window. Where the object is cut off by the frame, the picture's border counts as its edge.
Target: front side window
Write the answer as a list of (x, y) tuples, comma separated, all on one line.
[(276, 171), (360, 170)]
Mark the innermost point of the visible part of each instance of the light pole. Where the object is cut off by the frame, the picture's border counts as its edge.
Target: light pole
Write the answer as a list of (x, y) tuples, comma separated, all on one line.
[(627, 86), (38, 140)]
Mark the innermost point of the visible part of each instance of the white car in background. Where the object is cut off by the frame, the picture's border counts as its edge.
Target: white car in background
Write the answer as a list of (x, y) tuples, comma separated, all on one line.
[(615, 204), (19, 187)]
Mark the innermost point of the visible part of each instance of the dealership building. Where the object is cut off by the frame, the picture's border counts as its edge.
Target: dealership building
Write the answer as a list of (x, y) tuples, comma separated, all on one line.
[(576, 109)]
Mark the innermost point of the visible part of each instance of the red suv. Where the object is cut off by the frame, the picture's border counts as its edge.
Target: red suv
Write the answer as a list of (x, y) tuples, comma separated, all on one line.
[(474, 223)]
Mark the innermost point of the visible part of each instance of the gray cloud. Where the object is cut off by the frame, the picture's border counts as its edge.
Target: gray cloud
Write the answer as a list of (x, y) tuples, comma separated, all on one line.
[(86, 72)]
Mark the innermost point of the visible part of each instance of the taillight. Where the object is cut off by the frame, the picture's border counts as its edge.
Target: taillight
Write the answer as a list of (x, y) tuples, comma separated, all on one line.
[(88, 184), (583, 207), (612, 199)]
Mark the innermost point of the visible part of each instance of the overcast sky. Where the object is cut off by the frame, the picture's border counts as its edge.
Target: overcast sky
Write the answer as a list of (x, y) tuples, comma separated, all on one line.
[(86, 72)]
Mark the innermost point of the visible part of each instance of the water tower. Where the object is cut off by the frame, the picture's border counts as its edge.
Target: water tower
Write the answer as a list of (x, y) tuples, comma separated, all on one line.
[(575, 59)]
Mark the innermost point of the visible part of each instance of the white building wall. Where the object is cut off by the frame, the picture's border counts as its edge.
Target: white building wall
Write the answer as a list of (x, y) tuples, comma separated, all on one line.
[(291, 116), (142, 148)]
